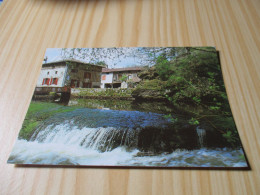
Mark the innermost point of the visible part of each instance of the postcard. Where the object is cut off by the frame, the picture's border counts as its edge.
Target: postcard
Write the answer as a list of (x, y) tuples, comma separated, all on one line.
[(155, 107)]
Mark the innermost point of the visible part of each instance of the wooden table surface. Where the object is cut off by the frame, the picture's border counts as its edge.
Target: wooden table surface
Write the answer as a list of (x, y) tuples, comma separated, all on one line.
[(28, 27)]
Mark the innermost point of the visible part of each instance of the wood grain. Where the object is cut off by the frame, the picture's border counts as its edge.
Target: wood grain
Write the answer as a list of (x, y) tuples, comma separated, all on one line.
[(28, 27)]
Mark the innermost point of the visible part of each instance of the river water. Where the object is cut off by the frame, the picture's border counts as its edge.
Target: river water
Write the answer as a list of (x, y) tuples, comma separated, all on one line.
[(99, 133)]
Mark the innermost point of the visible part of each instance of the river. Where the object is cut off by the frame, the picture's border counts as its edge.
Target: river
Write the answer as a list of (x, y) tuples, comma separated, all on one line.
[(123, 133)]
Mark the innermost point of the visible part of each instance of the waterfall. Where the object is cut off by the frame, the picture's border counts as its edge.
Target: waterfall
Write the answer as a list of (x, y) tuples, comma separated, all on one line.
[(119, 139), (201, 135), (102, 139)]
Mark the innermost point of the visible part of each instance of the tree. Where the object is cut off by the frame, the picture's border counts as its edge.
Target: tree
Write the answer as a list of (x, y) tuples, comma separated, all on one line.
[(102, 63), (142, 55), (124, 78), (194, 77)]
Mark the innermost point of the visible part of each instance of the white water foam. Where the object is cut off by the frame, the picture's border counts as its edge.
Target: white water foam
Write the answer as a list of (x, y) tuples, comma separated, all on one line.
[(25, 152), (67, 144), (91, 138)]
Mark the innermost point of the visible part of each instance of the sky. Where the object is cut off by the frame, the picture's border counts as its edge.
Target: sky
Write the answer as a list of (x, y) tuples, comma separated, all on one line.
[(54, 54)]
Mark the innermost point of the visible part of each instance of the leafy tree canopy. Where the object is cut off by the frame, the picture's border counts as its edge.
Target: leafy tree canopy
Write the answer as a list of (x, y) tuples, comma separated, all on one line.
[(102, 63)]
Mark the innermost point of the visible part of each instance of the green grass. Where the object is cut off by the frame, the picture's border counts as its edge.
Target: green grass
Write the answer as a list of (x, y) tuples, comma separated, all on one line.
[(38, 112), (28, 129)]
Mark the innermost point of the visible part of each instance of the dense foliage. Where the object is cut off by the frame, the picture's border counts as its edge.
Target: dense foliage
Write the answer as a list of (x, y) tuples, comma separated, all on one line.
[(193, 80)]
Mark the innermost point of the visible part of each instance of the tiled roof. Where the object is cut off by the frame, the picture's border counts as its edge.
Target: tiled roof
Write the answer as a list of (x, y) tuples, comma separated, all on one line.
[(122, 69)]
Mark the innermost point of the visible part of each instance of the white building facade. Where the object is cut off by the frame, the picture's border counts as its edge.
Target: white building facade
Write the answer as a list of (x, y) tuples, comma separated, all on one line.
[(69, 73), (106, 78), (119, 77), (52, 77)]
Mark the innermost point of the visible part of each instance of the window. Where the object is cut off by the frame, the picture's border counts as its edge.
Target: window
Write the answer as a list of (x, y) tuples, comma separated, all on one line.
[(115, 77), (74, 83), (48, 73), (54, 81), (87, 75), (103, 77), (56, 72), (45, 81)]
